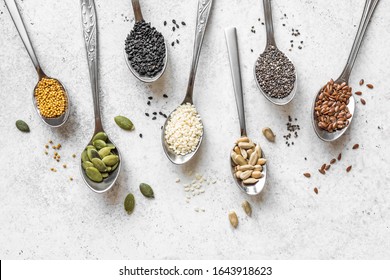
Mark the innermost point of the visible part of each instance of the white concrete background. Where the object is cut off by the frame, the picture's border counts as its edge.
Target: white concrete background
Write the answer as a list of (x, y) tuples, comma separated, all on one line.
[(45, 216)]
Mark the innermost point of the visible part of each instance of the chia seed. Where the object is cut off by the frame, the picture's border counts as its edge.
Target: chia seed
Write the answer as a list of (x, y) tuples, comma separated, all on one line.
[(145, 49), (275, 73)]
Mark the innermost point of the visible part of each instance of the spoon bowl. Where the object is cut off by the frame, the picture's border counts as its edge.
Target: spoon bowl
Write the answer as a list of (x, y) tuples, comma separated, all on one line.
[(174, 158), (144, 78), (108, 182), (60, 120), (325, 135), (274, 100)]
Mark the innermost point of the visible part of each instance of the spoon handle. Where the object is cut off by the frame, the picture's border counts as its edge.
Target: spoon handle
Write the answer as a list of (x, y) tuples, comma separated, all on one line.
[(137, 10), (268, 22), (204, 7), (89, 22), (365, 20), (19, 24), (234, 58)]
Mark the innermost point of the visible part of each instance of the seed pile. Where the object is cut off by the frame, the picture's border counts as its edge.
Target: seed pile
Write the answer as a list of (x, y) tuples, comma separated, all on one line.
[(196, 186), (183, 130), (331, 108), (275, 73), (145, 48), (292, 130), (247, 161), (51, 98), (100, 159)]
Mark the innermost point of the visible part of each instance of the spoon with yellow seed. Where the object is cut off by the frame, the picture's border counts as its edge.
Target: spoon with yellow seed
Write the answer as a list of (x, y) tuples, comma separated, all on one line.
[(50, 97), (248, 163)]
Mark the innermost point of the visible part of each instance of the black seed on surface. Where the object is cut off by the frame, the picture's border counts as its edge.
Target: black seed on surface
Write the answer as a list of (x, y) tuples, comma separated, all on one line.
[(140, 135), (183, 23), (165, 96), (165, 23), (154, 118)]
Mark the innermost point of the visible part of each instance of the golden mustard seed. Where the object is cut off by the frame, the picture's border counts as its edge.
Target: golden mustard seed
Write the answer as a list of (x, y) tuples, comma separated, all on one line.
[(74, 155), (51, 98)]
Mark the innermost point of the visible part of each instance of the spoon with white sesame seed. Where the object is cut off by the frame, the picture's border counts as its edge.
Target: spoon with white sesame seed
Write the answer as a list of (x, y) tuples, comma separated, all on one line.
[(53, 119), (204, 7), (256, 173)]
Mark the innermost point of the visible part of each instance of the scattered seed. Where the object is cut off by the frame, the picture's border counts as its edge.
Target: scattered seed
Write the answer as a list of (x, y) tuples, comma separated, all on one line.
[(316, 190), (370, 86), (268, 134), (361, 82), (183, 23), (327, 167), (71, 178), (74, 156), (363, 101), (22, 126), (323, 166), (339, 157), (247, 208), (349, 168), (307, 175), (233, 219), (358, 93), (322, 171), (333, 161), (356, 146)]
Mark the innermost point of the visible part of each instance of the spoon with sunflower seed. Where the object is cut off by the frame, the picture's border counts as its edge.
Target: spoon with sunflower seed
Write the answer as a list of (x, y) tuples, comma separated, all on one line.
[(248, 163), (334, 105)]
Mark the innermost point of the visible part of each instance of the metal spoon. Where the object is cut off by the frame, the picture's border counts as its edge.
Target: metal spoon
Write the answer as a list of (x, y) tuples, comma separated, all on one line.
[(232, 45), (204, 7), (271, 42), (89, 22), (138, 17), (17, 19), (344, 77)]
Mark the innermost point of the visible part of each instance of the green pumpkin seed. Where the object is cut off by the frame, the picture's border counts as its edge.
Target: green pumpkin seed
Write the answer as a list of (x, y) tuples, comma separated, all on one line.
[(110, 145), (104, 175), (84, 156), (92, 153), (100, 136), (105, 152), (124, 123), (22, 126), (94, 174), (129, 203), (146, 190), (87, 164), (114, 167), (90, 147), (99, 164), (110, 160), (99, 144)]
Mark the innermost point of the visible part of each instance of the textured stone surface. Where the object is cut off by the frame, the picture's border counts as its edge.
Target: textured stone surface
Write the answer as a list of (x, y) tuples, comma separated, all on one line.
[(45, 215)]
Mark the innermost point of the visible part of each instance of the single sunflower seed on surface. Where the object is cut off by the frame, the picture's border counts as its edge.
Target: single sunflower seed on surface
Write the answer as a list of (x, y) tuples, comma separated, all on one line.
[(247, 208), (233, 219), (268, 134)]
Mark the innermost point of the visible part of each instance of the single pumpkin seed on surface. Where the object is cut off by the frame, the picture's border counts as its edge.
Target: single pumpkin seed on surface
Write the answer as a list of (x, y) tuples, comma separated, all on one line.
[(99, 164), (99, 144), (269, 134), (111, 160), (100, 136), (124, 123), (22, 126), (94, 174), (146, 190), (233, 219), (129, 203), (247, 208)]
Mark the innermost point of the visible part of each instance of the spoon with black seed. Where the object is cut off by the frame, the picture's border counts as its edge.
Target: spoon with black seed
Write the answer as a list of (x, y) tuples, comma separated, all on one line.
[(342, 82), (274, 72), (19, 24), (145, 49)]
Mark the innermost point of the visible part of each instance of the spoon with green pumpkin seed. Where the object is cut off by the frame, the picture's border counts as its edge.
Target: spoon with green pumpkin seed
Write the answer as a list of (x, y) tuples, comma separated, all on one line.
[(100, 160)]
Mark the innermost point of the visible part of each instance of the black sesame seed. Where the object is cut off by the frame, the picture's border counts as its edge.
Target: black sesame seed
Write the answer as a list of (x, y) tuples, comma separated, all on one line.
[(154, 113), (174, 21), (183, 23), (165, 23), (148, 103), (173, 43), (177, 41), (140, 135), (154, 118), (173, 29), (165, 96), (147, 114), (150, 97)]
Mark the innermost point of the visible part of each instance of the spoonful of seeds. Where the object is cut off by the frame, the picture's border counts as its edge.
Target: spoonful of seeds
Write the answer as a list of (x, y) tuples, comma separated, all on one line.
[(182, 132), (274, 72), (248, 163), (334, 104), (50, 98), (145, 49), (100, 160)]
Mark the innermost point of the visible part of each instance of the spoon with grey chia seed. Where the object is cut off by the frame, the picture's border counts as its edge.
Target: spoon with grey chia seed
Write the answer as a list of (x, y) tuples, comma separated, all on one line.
[(145, 49), (325, 119), (274, 72)]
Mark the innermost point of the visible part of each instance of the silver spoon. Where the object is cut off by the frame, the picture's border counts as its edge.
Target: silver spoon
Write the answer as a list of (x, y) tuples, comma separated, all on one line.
[(271, 42), (232, 45), (89, 22), (204, 7), (344, 77), (17, 19), (138, 17)]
